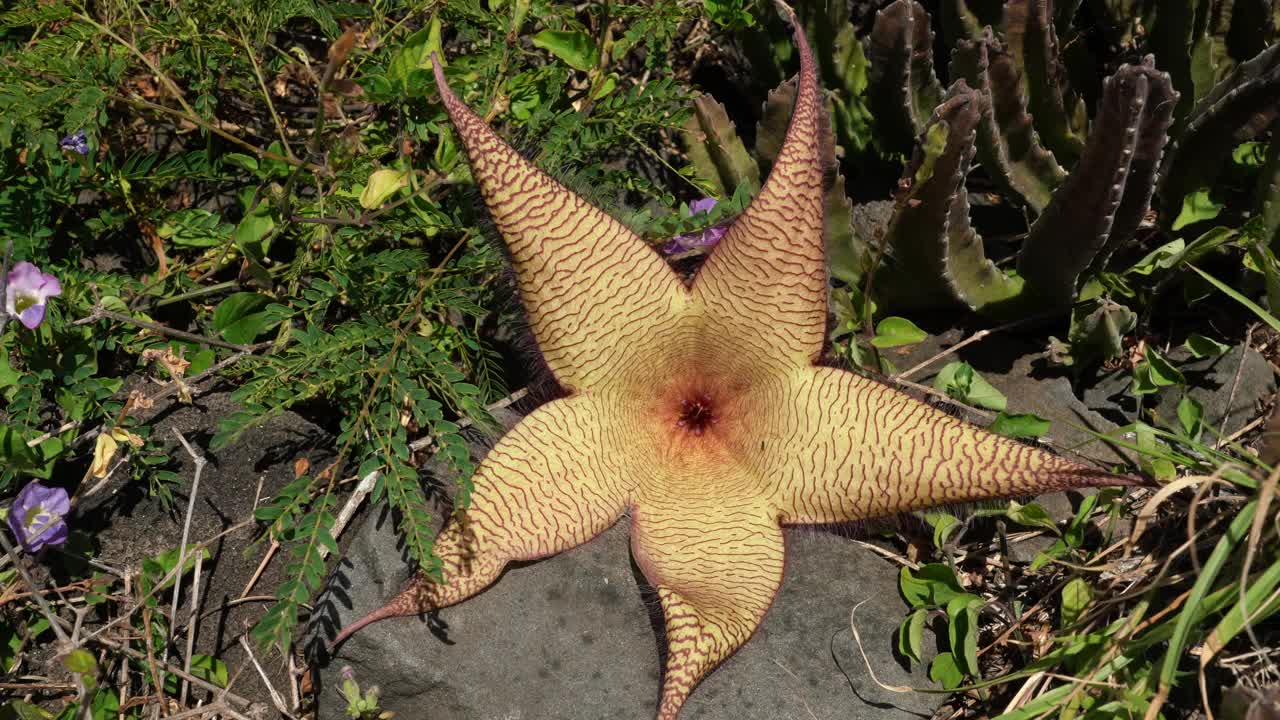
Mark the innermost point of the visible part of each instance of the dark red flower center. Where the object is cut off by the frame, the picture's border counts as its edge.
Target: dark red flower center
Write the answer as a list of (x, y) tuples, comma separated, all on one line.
[(697, 413)]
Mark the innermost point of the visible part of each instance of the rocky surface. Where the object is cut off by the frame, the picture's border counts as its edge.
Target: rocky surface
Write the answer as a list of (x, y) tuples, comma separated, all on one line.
[(1017, 368), (1210, 381), (578, 636)]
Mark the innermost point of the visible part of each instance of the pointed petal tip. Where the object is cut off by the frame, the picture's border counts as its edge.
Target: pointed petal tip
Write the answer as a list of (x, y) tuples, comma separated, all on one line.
[(437, 69), (785, 11), (389, 610)]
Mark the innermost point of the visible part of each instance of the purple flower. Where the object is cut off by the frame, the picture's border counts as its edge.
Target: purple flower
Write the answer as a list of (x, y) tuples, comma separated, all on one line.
[(706, 238), (27, 291), (36, 517), (76, 142)]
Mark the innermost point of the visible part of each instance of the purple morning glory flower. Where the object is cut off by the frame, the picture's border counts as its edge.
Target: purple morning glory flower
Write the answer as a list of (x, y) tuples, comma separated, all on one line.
[(27, 291), (706, 238), (36, 517), (76, 142)]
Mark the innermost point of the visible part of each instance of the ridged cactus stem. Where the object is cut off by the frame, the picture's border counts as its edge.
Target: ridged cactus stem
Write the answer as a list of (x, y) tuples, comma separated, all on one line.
[(904, 88), (1107, 192), (1246, 102), (1008, 145), (1269, 193), (935, 254), (716, 151), (1028, 27)]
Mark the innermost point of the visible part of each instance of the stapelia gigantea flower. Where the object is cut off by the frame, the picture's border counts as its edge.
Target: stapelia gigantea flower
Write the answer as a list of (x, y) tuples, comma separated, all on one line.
[(37, 517), (26, 292), (697, 408), (706, 238)]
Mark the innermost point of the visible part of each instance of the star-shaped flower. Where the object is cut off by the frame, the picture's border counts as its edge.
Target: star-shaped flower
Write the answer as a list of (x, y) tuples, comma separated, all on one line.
[(713, 461)]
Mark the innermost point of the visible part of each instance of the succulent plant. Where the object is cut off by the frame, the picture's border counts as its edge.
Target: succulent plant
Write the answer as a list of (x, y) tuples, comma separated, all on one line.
[(995, 107), (1011, 109), (696, 407)]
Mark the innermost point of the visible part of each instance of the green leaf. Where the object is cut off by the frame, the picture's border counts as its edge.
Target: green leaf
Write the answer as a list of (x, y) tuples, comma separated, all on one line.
[(1236, 531), (933, 585), (911, 634), (574, 47), (1027, 425), (962, 630), (1250, 154), (415, 53), (1266, 317), (1191, 415), (80, 661), (157, 568), (381, 185), (1031, 515), (242, 161), (1076, 596), (193, 227), (1154, 373), (1197, 206), (729, 14), (1162, 371), (1151, 454), (959, 380), (897, 331), (943, 525), (8, 375), (23, 711), (1256, 607), (946, 672), (1203, 347), (1055, 551), (1162, 258), (239, 318), (209, 669), (253, 228)]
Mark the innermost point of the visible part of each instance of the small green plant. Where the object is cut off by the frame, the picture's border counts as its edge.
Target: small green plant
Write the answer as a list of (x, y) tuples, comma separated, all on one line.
[(274, 201)]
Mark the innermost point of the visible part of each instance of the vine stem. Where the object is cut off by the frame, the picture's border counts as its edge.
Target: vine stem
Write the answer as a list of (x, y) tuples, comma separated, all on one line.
[(100, 312)]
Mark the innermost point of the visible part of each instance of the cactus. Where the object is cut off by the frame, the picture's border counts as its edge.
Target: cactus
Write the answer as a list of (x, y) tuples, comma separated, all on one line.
[(1114, 181), (1234, 111), (1009, 107), (1028, 27), (904, 88), (963, 19), (1269, 195), (1007, 141), (715, 150), (935, 255), (931, 241)]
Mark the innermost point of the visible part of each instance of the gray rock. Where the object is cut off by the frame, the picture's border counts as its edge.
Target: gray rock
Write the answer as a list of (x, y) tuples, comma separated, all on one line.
[(578, 636), (1209, 381), (1016, 367)]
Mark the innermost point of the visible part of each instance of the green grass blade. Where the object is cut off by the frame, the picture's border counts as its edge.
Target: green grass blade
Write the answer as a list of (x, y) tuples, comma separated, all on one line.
[(1258, 595), (1231, 292), (1182, 630)]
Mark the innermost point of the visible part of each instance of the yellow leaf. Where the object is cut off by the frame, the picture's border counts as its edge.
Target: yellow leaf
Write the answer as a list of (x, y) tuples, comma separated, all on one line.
[(103, 451), (382, 185)]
